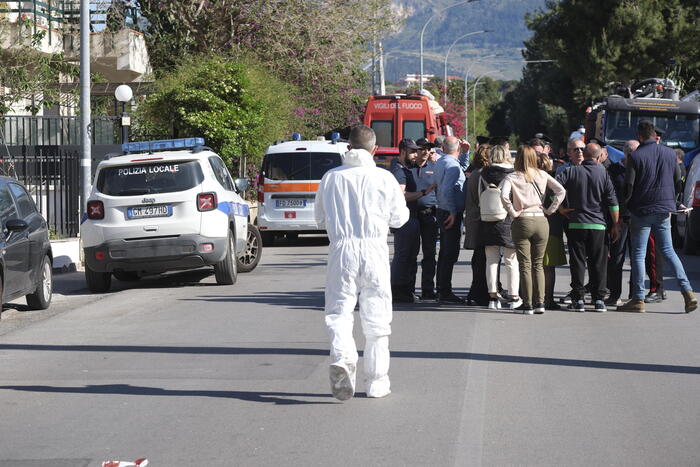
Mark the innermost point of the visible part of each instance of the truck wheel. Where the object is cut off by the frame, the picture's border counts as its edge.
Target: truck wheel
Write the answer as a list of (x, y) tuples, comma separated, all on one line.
[(40, 299), (268, 238), (226, 271), (127, 276), (250, 257), (97, 282)]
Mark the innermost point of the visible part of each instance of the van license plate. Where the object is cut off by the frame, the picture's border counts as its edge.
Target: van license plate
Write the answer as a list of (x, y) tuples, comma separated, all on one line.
[(158, 210), (290, 203)]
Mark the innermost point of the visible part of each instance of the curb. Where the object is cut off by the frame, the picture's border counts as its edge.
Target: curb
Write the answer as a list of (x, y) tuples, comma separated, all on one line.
[(66, 255)]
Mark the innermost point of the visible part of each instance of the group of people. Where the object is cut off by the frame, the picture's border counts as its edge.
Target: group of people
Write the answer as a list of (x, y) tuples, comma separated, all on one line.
[(512, 211)]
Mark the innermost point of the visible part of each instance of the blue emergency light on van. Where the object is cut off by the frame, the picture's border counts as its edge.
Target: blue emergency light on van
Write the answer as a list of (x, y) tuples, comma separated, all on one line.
[(163, 144), (296, 136), (335, 137)]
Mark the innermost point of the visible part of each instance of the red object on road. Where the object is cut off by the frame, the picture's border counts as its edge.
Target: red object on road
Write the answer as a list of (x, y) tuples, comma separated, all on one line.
[(137, 463)]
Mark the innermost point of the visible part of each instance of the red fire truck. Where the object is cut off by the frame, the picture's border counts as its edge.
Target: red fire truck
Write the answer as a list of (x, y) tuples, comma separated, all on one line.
[(397, 116)]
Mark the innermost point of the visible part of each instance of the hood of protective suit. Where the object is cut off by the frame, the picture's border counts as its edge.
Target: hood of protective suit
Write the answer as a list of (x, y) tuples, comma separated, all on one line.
[(358, 158)]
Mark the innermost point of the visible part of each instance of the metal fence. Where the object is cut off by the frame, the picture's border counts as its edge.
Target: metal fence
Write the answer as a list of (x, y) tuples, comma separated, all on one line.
[(52, 176), (20, 130), (44, 153)]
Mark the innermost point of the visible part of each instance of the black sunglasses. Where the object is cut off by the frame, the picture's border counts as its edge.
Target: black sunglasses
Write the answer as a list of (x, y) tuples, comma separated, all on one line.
[(577, 149)]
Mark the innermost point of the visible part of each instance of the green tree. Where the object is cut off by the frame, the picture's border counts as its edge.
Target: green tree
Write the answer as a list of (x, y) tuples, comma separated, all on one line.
[(319, 47), (594, 44), (237, 106)]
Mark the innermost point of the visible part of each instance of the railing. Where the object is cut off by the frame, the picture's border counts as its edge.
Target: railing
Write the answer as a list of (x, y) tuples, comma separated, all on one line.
[(52, 176), (54, 14), (44, 153), (19, 130)]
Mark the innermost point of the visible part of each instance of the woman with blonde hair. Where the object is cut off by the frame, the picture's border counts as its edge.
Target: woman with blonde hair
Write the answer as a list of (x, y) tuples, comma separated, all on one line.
[(522, 195), (495, 231)]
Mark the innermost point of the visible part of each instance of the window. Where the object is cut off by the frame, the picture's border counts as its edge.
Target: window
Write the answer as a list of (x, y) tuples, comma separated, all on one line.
[(221, 173), (300, 165), (7, 206), (414, 129), (384, 129), (143, 179), (25, 204), (681, 131)]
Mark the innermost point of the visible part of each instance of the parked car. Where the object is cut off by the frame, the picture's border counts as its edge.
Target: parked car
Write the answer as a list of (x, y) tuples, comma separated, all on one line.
[(689, 226), (26, 260), (151, 212)]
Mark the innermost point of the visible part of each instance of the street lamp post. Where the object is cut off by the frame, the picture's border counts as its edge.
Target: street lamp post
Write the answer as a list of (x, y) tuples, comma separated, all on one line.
[(476, 83), (466, 91), (449, 49), (422, 31), (85, 116), (123, 94)]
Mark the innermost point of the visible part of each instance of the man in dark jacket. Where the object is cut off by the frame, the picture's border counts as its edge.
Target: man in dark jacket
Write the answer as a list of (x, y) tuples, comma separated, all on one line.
[(588, 192), (652, 180), (618, 250), (406, 238)]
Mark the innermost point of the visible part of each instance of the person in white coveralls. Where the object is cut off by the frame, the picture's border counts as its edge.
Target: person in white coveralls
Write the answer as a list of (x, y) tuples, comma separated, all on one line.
[(357, 203)]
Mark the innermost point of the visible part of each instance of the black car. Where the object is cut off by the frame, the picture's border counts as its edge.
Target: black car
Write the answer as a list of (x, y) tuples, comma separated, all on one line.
[(25, 251)]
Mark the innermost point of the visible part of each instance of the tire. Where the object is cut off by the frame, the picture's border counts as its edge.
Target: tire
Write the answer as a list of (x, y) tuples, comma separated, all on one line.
[(249, 258), (40, 299), (268, 238), (226, 271), (97, 282), (126, 276)]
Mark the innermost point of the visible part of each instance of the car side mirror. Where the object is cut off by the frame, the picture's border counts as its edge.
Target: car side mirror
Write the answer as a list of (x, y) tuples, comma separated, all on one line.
[(242, 184), (16, 225)]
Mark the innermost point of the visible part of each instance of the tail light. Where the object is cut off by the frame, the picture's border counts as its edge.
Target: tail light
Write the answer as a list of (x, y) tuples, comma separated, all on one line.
[(696, 195), (95, 210), (206, 201), (261, 189)]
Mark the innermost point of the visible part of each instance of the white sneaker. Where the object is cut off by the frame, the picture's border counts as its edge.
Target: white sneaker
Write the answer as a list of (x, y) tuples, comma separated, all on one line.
[(342, 376), (494, 304), (515, 303)]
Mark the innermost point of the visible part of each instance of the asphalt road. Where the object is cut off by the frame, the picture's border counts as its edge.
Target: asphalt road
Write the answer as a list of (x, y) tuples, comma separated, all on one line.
[(185, 373)]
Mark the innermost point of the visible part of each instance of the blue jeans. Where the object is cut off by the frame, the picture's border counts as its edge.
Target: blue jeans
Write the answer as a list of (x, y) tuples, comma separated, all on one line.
[(640, 228)]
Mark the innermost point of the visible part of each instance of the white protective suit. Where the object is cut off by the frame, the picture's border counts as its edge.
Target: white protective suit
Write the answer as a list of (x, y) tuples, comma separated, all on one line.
[(358, 202)]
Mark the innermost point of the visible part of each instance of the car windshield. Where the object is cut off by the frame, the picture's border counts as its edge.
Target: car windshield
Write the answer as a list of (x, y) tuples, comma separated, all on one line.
[(680, 131), (142, 179), (299, 165)]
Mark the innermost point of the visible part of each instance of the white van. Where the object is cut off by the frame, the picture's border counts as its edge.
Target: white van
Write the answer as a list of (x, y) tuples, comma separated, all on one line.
[(287, 184)]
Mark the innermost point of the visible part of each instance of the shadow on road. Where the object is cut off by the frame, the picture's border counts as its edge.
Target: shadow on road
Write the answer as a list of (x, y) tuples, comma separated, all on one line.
[(277, 398), (309, 300), (628, 366)]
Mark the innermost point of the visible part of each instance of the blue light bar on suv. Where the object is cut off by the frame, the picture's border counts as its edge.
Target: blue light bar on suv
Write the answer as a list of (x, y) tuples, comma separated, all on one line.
[(162, 145)]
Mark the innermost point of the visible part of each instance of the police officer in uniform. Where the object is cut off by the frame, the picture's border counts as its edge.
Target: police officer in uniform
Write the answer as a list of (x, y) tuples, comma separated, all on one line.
[(427, 205), (404, 264)]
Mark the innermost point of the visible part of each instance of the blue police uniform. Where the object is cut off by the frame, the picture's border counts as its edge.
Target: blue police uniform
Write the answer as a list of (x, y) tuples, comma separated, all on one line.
[(427, 221), (404, 264)]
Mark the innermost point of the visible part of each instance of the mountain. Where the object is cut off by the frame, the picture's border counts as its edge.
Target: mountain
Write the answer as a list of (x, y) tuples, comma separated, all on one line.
[(506, 18)]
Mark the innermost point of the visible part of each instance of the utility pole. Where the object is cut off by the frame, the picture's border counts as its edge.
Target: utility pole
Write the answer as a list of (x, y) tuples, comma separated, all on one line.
[(382, 86), (85, 115)]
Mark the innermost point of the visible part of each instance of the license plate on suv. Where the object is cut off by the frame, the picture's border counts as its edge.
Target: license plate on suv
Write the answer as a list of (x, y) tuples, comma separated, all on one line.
[(157, 210), (290, 203)]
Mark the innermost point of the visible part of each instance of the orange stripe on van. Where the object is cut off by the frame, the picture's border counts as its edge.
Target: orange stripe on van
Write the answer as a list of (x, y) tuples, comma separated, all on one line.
[(291, 187)]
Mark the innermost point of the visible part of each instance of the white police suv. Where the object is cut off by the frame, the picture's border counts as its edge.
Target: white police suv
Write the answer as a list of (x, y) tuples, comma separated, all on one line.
[(166, 205)]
